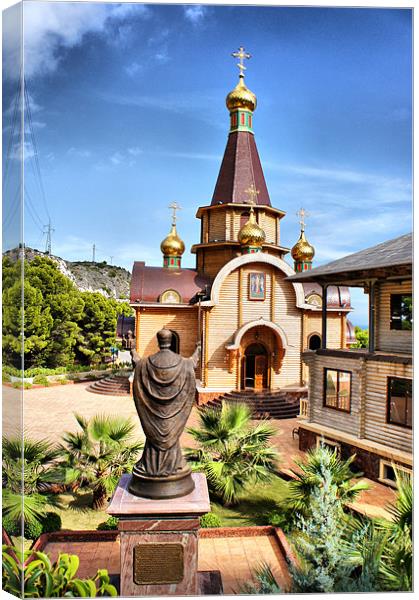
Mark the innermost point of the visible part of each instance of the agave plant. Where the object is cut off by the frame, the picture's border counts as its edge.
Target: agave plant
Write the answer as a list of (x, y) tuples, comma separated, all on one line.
[(99, 454), (28, 472), (232, 451), (311, 474)]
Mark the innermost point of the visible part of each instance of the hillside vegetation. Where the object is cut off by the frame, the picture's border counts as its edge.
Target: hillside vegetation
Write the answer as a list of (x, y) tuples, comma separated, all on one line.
[(109, 280)]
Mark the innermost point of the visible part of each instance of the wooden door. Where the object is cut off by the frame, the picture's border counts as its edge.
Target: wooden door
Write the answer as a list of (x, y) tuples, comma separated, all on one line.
[(260, 372)]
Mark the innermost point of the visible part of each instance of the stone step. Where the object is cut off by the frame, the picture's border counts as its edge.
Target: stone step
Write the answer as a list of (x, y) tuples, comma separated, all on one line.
[(115, 385), (266, 404)]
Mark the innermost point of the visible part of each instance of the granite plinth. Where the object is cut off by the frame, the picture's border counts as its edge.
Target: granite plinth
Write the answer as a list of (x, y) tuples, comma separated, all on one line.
[(156, 524), (126, 505)]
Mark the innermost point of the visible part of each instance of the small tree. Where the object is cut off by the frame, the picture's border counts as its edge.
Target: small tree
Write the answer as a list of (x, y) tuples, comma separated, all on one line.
[(232, 452), (310, 477), (361, 336)]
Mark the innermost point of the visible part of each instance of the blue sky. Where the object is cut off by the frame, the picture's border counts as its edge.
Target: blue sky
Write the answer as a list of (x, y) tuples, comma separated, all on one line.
[(128, 113)]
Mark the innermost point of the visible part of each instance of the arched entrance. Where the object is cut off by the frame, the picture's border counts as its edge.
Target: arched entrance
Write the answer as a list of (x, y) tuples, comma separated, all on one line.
[(255, 368)]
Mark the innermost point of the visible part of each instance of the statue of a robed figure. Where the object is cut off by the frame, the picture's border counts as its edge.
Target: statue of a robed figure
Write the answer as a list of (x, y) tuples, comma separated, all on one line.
[(164, 392)]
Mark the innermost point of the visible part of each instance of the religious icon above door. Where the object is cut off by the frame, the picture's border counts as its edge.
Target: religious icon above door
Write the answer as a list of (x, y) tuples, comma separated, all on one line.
[(257, 286)]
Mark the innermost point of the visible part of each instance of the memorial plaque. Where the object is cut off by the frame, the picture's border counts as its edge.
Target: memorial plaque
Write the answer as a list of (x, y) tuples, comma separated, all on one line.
[(156, 564)]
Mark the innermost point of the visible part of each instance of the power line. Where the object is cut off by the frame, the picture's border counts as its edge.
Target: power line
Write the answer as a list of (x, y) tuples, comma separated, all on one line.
[(35, 150)]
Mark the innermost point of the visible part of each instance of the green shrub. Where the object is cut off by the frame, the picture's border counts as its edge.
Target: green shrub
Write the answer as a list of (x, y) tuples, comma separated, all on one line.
[(41, 380), (6, 378), (51, 522), (31, 531), (109, 524), (210, 520), (18, 385), (64, 381), (43, 579)]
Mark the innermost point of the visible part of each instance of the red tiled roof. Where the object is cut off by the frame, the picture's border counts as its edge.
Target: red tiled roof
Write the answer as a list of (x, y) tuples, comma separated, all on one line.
[(148, 283), (240, 169)]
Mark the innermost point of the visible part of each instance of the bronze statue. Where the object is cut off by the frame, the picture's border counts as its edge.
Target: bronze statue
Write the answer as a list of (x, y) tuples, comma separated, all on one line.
[(164, 392)]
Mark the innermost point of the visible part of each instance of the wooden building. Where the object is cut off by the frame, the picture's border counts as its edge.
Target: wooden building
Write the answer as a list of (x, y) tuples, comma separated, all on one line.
[(360, 401), (252, 321)]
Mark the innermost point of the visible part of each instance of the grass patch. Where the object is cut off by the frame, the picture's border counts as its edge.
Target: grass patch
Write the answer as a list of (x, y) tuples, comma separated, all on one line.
[(76, 513), (254, 506)]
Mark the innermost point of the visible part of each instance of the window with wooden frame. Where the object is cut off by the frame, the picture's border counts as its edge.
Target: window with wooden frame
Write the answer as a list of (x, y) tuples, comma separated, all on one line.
[(399, 401), (401, 312), (387, 472), (337, 389)]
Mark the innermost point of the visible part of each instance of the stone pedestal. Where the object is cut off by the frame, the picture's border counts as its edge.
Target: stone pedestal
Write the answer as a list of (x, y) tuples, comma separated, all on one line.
[(159, 540)]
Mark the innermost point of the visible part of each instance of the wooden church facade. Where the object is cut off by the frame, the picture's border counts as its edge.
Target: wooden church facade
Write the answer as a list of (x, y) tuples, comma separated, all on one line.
[(252, 322)]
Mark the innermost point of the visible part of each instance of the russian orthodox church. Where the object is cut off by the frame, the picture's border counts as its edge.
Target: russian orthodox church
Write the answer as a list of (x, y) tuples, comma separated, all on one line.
[(253, 324)]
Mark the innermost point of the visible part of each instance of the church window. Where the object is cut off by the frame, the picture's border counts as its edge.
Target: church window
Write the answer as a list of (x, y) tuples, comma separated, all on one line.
[(337, 389), (314, 300), (399, 402), (401, 311), (242, 118), (314, 342), (175, 343), (170, 297), (250, 121)]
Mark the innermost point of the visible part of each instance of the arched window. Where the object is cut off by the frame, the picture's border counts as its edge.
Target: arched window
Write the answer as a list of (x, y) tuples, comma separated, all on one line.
[(175, 345), (170, 297), (314, 342)]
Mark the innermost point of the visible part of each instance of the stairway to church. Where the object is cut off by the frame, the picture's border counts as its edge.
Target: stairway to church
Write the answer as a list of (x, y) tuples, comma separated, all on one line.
[(115, 385), (265, 404)]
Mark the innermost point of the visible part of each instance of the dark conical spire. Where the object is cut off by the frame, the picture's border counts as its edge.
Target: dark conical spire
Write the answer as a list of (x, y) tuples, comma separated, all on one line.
[(240, 167)]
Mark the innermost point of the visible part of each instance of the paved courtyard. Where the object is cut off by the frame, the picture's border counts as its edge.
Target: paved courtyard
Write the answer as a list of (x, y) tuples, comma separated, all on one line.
[(48, 412), (235, 557)]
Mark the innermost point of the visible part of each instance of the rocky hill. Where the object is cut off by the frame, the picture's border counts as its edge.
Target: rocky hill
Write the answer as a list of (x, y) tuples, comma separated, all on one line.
[(109, 280)]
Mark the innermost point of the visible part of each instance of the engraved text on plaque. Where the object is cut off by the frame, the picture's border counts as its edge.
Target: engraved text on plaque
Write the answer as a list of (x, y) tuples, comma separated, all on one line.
[(158, 564)]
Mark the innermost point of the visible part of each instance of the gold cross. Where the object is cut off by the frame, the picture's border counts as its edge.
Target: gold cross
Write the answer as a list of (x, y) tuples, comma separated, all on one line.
[(252, 192), (302, 213), (241, 55), (174, 206)]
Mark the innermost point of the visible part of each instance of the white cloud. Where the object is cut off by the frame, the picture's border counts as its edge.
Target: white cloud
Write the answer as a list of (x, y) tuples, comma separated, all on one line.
[(134, 69), (82, 153), (195, 13), (116, 158), (50, 26), (135, 151)]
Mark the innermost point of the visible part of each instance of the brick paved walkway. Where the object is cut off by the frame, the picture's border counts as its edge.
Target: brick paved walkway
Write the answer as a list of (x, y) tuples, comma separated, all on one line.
[(48, 412), (236, 558)]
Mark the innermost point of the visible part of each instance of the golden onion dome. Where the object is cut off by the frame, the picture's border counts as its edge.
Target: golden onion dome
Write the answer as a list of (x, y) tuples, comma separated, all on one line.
[(303, 251), (241, 97), (251, 234), (172, 245)]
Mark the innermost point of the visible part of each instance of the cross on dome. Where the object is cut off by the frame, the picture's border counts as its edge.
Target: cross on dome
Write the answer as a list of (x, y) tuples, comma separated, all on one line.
[(241, 55), (302, 214), (174, 206)]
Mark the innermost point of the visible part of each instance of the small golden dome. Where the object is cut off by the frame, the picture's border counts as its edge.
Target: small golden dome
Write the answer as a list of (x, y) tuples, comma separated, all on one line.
[(303, 251), (241, 97), (172, 245), (251, 234)]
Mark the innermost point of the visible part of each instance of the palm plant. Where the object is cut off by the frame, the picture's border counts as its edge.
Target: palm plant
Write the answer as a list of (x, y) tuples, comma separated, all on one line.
[(99, 454), (311, 475), (28, 471), (381, 549), (232, 451), (396, 568)]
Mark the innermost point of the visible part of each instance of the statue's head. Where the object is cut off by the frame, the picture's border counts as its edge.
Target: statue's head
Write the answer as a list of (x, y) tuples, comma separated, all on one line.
[(164, 338)]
